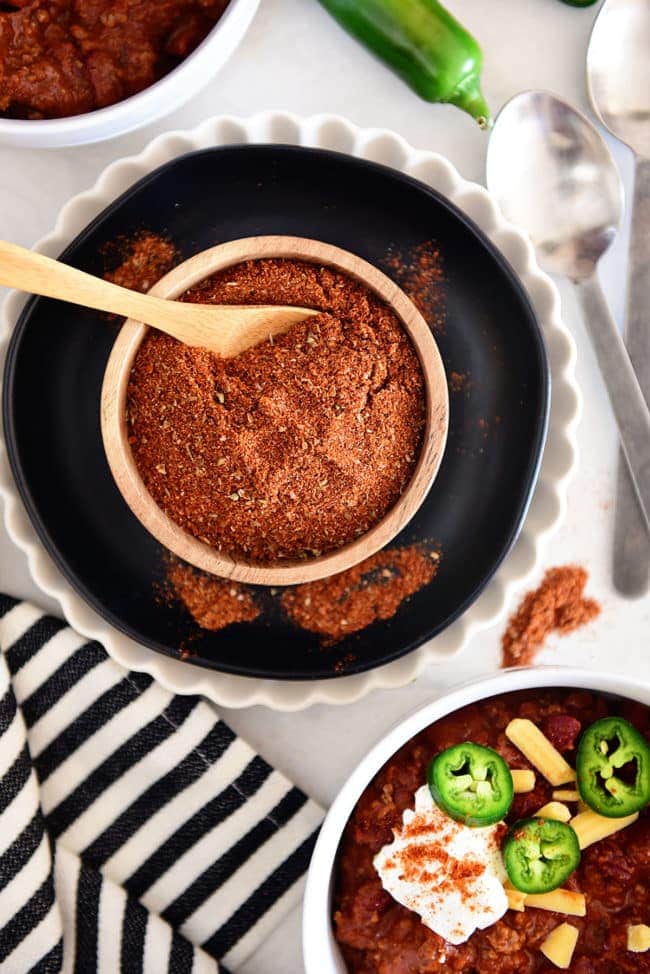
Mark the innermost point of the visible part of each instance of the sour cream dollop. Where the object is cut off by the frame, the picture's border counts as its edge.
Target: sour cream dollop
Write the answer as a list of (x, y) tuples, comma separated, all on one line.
[(448, 873)]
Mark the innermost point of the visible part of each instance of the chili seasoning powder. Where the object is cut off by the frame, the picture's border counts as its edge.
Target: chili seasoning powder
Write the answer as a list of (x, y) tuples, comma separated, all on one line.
[(558, 605), (213, 603), (346, 603), (138, 262), (295, 447)]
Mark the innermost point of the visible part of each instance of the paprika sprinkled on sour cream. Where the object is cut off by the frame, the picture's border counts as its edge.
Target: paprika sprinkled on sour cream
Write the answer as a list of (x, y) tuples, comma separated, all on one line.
[(448, 873)]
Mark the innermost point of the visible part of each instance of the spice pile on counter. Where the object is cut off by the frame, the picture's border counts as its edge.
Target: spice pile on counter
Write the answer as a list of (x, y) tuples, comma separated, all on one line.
[(558, 605), (295, 447), (333, 607)]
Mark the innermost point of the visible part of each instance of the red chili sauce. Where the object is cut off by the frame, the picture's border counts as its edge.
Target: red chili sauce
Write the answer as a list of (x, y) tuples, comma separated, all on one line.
[(67, 57), (378, 936)]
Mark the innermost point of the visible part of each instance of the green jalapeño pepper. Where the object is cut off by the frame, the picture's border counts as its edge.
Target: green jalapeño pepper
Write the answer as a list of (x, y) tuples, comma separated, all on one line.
[(613, 768), (472, 784), (423, 44), (540, 854), (579, 3)]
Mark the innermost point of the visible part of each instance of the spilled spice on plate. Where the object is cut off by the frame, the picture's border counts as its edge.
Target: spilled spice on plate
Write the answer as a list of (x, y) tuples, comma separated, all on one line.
[(557, 605), (295, 447), (346, 603), (419, 271), (333, 607), (213, 603), (458, 381), (138, 262)]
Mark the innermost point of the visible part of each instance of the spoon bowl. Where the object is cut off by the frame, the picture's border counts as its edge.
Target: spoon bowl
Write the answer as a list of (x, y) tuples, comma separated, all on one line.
[(227, 330), (553, 175), (618, 71)]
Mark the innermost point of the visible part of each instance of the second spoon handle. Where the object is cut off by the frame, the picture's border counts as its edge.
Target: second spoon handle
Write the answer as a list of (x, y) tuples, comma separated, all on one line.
[(631, 566), (630, 409)]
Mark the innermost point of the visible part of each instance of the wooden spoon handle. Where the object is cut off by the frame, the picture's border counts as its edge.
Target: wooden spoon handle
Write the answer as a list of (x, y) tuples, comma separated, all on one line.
[(26, 270)]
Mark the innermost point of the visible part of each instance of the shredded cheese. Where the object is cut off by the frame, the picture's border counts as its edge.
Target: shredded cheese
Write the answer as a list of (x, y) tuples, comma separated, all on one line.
[(638, 938), (516, 899), (560, 945), (559, 901), (566, 795), (591, 827), (523, 780), (539, 751), (555, 810)]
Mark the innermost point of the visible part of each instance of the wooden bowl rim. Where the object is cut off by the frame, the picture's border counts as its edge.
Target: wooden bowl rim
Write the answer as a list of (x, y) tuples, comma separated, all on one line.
[(204, 556)]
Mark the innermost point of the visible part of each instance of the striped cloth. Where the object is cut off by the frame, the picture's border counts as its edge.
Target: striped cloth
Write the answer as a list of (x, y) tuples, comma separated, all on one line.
[(138, 833)]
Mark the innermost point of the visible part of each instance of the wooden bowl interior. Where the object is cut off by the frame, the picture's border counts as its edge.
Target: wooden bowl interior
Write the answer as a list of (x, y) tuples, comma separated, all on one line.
[(175, 538)]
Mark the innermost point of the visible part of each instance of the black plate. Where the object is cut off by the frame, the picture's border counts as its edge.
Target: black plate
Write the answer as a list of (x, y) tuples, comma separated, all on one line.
[(58, 353)]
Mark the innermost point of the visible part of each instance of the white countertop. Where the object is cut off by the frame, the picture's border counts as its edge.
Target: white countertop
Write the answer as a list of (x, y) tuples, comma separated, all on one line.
[(295, 57)]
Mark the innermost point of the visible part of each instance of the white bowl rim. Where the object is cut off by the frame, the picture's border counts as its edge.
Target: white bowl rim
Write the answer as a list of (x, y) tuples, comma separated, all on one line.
[(144, 107), (558, 465), (320, 953)]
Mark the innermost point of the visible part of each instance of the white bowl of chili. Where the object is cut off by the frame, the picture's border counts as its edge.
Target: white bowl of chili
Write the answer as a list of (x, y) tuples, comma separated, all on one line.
[(535, 693), (153, 101)]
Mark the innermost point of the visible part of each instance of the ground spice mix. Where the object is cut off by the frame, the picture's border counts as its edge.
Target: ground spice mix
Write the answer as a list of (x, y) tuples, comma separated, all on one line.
[(420, 273), (295, 447), (370, 591), (558, 605), (213, 603), (338, 606), (138, 262)]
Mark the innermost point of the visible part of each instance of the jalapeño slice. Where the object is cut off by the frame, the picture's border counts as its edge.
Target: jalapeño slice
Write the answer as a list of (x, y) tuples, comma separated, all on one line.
[(540, 854), (613, 768), (471, 783)]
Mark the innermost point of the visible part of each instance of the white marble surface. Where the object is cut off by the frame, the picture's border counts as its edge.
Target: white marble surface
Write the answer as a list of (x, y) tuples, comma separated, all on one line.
[(296, 58)]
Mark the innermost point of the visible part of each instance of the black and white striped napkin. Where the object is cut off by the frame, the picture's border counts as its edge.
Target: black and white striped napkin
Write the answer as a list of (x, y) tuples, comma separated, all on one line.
[(138, 833)]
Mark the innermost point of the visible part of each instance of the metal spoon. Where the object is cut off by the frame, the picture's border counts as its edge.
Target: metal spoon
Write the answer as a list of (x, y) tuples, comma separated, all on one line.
[(618, 77), (226, 330), (553, 175)]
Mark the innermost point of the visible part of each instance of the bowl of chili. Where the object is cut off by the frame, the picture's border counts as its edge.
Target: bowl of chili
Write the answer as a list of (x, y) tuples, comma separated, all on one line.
[(77, 76), (299, 458), (562, 757)]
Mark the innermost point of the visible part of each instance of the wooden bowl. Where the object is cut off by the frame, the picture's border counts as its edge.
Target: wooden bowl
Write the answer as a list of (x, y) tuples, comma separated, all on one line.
[(206, 557)]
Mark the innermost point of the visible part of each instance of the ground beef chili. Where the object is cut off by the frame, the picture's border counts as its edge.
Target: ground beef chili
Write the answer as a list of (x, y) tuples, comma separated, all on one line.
[(67, 57), (295, 447), (378, 936)]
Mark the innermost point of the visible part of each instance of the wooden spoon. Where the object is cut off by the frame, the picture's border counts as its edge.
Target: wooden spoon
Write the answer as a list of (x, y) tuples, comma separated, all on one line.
[(226, 330)]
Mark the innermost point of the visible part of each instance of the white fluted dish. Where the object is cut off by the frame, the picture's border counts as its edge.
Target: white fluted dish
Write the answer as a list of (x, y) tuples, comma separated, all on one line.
[(548, 503)]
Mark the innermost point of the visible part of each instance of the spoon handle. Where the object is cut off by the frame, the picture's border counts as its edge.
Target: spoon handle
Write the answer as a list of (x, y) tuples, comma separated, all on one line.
[(29, 271), (630, 409), (631, 567)]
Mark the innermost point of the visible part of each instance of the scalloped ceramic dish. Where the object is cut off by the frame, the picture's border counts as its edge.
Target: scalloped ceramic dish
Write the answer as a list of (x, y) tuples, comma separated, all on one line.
[(547, 505)]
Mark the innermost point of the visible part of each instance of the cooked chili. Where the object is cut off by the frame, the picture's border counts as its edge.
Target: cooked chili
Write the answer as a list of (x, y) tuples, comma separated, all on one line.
[(65, 57), (377, 935)]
